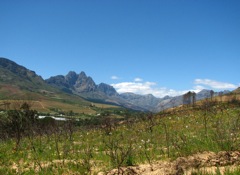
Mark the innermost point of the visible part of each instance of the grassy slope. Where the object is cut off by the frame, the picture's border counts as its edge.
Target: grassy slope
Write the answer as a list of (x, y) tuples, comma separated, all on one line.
[(181, 132), (44, 100)]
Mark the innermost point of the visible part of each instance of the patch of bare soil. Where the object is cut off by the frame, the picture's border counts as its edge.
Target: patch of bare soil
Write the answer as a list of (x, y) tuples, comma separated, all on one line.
[(207, 162)]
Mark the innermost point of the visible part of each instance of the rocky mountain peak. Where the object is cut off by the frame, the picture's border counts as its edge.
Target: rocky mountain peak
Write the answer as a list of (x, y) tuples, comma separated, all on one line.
[(71, 74), (71, 78), (107, 89), (74, 82), (84, 83), (82, 75)]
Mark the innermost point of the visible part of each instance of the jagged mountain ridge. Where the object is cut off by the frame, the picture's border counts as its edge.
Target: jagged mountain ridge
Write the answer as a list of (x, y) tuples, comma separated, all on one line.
[(84, 86), (80, 84)]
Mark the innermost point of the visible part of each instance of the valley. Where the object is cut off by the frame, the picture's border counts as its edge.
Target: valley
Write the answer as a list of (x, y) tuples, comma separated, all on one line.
[(70, 125)]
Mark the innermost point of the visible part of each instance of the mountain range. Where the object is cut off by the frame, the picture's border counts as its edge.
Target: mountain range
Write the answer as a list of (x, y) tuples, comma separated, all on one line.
[(84, 86), (21, 80)]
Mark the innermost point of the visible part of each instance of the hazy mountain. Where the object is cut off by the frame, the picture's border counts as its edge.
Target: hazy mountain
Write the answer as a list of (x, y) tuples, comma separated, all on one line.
[(148, 102)]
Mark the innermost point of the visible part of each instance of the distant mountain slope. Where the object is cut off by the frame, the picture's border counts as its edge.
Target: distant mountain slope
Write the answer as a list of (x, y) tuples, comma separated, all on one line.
[(14, 74), (148, 102), (178, 100)]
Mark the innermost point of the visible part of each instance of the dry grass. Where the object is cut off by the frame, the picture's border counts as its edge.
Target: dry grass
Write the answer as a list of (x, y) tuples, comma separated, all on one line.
[(45, 105)]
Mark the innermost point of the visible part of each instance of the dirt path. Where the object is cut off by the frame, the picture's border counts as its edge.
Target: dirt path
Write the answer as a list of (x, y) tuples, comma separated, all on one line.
[(205, 162), (40, 103)]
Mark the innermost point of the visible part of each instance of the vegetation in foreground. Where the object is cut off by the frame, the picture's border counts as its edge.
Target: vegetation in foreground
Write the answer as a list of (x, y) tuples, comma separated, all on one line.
[(32, 146)]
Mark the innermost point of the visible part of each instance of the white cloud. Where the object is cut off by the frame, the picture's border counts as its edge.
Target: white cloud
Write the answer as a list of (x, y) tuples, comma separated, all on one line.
[(198, 88), (214, 84), (138, 79), (114, 77), (144, 88), (138, 86)]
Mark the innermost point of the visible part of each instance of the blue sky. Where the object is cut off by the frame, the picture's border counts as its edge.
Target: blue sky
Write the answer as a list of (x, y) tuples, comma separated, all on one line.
[(163, 47)]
